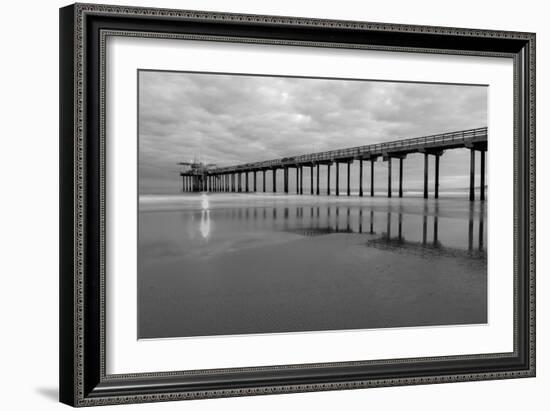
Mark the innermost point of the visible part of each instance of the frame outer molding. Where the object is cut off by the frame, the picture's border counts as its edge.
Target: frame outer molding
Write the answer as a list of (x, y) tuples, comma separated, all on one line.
[(73, 194)]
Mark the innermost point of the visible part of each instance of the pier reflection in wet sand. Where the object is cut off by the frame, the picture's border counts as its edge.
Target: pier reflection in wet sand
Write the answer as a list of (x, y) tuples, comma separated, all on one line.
[(214, 265)]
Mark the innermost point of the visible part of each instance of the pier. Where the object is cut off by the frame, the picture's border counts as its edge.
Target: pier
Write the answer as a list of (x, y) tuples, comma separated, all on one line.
[(230, 178)]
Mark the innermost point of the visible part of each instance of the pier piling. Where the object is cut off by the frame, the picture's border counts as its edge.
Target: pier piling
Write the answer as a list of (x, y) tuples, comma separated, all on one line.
[(360, 177), (349, 167), (328, 179), (337, 192), (436, 184), (425, 175), (389, 177), (401, 177), (482, 176), (472, 173), (372, 177)]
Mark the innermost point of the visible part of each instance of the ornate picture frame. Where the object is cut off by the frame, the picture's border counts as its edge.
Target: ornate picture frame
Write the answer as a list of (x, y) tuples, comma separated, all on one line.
[(84, 30)]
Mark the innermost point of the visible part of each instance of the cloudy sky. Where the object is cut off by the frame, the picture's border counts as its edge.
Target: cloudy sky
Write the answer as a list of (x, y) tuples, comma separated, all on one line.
[(232, 119)]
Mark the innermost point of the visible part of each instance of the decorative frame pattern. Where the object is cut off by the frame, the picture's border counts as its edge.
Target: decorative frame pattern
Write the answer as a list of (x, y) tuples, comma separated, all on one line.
[(82, 304)]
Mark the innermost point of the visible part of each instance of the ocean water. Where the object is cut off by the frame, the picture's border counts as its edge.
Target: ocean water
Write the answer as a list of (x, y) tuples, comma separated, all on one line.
[(227, 263)]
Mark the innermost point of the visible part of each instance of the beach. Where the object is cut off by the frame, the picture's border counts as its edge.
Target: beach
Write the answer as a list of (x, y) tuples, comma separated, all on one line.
[(232, 263)]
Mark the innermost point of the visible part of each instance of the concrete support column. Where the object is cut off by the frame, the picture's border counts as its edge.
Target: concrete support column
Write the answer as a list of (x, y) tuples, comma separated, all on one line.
[(349, 167), (254, 180), (240, 181), (311, 180), (482, 176), (286, 179), (400, 177), (318, 179), (301, 180), (425, 175), (472, 173), (246, 181), (389, 176), (372, 178), (328, 178), (436, 187), (337, 178), (360, 177), (297, 180), (274, 180), (263, 180)]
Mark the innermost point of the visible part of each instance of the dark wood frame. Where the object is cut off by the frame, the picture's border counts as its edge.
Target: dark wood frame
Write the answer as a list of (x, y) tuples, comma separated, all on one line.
[(83, 29)]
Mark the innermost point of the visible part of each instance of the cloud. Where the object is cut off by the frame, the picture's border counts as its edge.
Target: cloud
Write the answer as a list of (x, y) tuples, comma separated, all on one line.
[(232, 119)]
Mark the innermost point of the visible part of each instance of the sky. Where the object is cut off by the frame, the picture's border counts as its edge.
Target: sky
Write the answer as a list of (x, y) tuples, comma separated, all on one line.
[(232, 119)]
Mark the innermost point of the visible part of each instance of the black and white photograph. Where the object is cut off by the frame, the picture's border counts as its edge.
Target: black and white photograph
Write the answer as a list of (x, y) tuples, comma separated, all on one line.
[(261, 200), (278, 204)]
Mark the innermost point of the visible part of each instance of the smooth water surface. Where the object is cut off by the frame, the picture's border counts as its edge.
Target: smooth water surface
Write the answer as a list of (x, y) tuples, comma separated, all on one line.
[(226, 263)]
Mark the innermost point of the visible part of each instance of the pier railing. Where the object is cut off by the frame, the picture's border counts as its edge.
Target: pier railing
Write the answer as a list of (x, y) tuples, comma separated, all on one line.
[(230, 178), (443, 140)]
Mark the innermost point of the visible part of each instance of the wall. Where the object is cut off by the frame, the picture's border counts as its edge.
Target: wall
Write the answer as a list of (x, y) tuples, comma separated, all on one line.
[(29, 223)]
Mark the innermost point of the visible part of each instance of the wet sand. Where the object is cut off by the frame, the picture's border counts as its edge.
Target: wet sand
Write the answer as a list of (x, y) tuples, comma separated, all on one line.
[(246, 263)]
